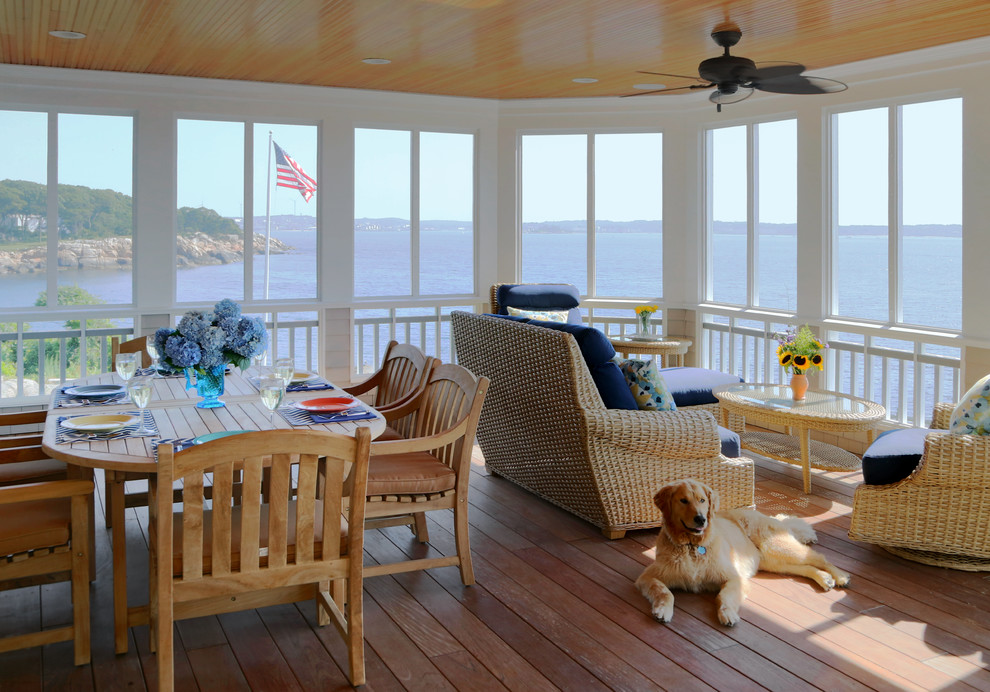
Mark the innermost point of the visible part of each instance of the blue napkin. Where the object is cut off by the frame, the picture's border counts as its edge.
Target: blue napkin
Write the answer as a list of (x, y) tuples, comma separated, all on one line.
[(341, 417), (308, 386)]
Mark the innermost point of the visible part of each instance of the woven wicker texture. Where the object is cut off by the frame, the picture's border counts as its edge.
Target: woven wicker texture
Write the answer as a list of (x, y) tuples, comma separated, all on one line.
[(786, 448), (544, 426), (940, 514)]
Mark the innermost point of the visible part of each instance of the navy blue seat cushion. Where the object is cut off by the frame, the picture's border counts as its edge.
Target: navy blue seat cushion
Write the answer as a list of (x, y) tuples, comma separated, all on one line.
[(598, 352), (540, 297), (513, 318), (729, 441), (693, 386), (894, 455)]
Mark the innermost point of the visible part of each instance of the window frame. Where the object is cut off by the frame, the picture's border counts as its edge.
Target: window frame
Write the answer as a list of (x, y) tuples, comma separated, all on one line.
[(590, 218), (895, 225), (414, 209)]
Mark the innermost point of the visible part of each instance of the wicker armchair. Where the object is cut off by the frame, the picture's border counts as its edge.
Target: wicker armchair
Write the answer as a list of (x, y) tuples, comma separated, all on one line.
[(940, 514), (544, 427)]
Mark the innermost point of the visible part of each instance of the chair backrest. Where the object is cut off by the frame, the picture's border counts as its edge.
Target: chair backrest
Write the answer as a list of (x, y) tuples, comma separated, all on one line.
[(450, 409), (136, 345), (253, 545), (405, 369), (536, 296)]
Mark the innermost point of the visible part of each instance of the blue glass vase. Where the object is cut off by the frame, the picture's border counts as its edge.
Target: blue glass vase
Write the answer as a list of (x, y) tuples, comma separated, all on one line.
[(209, 385)]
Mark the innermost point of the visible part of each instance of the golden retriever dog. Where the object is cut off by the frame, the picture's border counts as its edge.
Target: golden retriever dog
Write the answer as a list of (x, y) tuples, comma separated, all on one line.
[(702, 549)]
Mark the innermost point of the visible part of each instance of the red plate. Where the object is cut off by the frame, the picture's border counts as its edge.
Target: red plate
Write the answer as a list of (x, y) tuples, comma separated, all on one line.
[(329, 404)]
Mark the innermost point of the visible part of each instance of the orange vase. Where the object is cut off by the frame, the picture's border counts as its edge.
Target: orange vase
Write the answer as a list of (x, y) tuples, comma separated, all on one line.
[(799, 385)]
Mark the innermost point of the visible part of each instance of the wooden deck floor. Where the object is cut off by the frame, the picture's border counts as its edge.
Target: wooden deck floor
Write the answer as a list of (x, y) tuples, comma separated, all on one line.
[(555, 608)]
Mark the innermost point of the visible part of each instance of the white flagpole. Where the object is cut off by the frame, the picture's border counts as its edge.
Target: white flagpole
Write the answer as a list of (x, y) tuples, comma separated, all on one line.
[(268, 216)]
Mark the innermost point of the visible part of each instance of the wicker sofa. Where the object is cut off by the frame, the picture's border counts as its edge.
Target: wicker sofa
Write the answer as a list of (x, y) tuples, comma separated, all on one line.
[(940, 513), (544, 426)]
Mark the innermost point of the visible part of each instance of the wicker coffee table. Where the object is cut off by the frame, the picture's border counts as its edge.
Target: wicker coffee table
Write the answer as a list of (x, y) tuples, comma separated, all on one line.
[(772, 403), (670, 351)]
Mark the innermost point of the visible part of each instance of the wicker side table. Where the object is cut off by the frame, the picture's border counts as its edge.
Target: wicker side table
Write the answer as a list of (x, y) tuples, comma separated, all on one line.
[(772, 403), (669, 352)]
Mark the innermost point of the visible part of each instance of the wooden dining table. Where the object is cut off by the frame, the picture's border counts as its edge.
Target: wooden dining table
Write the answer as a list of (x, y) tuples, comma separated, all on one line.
[(176, 417)]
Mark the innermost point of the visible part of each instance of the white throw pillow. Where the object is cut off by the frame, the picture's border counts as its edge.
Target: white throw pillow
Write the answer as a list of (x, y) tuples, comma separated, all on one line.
[(972, 415), (543, 315)]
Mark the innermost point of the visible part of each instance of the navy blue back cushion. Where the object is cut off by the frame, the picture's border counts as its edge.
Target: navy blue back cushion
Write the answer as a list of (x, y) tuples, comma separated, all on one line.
[(540, 297), (894, 455), (598, 352), (729, 441), (693, 386)]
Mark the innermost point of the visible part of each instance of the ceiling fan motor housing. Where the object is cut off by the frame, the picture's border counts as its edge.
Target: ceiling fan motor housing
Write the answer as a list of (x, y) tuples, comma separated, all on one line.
[(727, 69)]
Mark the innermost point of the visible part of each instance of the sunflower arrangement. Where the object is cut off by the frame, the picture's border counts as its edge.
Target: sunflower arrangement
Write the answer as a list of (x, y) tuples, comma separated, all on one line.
[(799, 351)]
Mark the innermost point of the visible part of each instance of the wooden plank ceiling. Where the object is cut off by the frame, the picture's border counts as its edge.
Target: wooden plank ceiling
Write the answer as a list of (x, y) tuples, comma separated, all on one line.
[(480, 48)]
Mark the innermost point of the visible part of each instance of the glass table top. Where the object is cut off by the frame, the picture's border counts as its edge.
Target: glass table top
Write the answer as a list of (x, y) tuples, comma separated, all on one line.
[(778, 396)]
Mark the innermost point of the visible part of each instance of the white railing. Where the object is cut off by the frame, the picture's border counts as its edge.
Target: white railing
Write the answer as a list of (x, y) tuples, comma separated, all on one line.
[(906, 376), (33, 363)]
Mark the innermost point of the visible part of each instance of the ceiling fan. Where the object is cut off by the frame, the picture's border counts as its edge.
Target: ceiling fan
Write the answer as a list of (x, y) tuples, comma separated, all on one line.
[(735, 78)]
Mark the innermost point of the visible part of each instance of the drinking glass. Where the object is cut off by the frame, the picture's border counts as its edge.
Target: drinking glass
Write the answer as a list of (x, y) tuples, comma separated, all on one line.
[(285, 368), (126, 367), (272, 390), (153, 352), (139, 389)]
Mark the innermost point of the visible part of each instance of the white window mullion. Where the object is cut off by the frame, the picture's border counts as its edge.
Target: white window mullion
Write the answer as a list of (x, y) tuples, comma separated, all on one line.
[(51, 272), (590, 216), (706, 258), (414, 211), (752, 216), (894, 216), (248, 210), (833, 218)]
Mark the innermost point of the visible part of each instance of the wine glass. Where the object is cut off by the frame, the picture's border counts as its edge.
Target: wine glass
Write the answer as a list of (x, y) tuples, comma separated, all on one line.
[(126, 367), (285, 368), (153, 352), (139, 389), (272, 390)]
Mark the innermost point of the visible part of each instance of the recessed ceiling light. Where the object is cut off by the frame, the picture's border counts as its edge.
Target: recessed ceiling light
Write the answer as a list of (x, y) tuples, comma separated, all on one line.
[(67, 34), (649, 86), (376, 61), (584, 80)]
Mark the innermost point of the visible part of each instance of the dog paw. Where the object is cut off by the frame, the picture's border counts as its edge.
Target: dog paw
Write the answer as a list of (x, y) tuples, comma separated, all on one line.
[(728, 616), (842, 578), (825, 580), (663, 612), (804, 533)]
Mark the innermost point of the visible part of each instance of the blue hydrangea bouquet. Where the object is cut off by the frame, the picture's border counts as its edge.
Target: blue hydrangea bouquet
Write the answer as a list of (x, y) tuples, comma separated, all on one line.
[(205, 342)]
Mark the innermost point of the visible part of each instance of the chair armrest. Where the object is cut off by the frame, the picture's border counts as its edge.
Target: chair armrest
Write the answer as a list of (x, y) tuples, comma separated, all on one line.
[(46, 490), (365, 386), (402, 408), (681, 434), (942, 414), (954, 461), (421, 444)]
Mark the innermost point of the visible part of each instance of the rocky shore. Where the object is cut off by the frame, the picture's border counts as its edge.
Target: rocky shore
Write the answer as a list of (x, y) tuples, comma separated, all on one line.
[(193, 250)]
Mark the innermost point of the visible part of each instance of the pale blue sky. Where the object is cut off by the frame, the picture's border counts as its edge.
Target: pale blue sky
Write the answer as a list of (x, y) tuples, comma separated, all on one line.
[(95, 151)]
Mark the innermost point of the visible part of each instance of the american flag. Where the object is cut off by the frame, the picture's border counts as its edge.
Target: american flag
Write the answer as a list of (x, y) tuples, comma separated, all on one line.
[(290, 174)]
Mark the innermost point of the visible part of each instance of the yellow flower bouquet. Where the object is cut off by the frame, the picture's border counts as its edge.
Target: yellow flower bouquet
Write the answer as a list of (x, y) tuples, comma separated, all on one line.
[(800, 351), (644, 313)]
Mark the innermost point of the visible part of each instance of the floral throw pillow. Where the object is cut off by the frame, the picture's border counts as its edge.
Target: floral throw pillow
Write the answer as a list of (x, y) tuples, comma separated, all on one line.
[(646, 384), (543, 315), (972, 415)]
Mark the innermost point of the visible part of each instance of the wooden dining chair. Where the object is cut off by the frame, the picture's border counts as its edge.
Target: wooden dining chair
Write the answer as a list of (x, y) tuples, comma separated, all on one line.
[(229, 557), (401, 379), (44, 535), (135, 345), (22, 460), (431, 469)]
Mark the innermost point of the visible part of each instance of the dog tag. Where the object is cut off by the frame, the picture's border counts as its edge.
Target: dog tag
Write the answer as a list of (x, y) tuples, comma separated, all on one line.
[(702, 550)]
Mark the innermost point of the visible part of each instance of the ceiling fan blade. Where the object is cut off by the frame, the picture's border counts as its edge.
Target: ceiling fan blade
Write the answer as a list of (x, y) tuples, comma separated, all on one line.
[(797, 84), (720, 97), (667, 74), (776, 69), (664, 91)]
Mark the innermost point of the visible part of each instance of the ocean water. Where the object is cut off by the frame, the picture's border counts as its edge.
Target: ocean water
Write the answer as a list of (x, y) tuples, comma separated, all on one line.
[(629, 265)]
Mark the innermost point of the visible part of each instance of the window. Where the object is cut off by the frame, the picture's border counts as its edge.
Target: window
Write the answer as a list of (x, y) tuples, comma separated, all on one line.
[(609, 210), (413, 213), (897, 214), (752, 215), (93, 176), (215, 223)]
